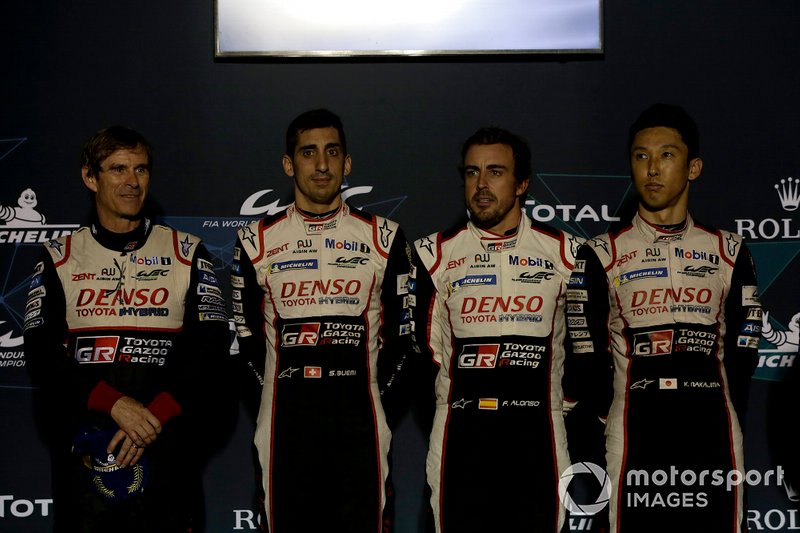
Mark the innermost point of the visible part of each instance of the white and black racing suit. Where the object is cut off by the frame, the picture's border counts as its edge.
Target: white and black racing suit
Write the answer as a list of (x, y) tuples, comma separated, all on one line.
[(489, 311), (321, 311), (665, 328), (138, 314)]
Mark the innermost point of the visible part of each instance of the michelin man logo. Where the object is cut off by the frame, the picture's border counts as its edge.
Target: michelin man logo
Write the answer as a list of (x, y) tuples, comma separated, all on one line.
[(25, 213), (784, 341)]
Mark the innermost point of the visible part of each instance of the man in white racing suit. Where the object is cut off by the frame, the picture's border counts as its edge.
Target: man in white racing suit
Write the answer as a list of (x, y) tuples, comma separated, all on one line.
[(125, 328), (488, 302), (665, 319), (320, 305)]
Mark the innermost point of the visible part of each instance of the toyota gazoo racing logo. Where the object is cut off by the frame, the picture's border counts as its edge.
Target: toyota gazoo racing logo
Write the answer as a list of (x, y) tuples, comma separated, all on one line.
[(90, 350), (584, 509), (653, 343), (478, 356), (300, 334)]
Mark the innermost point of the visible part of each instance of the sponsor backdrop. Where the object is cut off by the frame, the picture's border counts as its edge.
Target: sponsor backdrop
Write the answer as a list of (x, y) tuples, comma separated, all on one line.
[(218, 128)]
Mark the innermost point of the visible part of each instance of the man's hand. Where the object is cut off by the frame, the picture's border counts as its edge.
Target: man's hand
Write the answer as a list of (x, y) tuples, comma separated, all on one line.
[(136, 421), (129, 453)]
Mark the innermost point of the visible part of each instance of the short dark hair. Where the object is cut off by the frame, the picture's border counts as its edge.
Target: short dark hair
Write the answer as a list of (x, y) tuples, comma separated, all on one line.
[(316, 118), (494, 135), (668, 116), (107, 141)]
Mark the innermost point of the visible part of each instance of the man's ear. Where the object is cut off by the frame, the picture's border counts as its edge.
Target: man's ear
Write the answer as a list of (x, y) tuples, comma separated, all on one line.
[(522, 188), (89, 179), (348, 165), (695, 168), (288, 166)]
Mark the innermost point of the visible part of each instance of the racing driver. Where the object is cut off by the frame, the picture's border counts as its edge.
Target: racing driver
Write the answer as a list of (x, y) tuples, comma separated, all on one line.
[(665, 323), (488, 302), (124, 323), (320, 305)]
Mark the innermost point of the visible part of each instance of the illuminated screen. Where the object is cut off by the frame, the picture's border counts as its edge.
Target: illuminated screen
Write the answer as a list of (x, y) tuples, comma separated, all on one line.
[(406, 27)]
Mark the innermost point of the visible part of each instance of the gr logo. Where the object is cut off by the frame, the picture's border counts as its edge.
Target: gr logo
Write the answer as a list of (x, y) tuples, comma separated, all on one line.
[(96, 349), (300, 334), (652, 343), (478, 356), (603, 481)]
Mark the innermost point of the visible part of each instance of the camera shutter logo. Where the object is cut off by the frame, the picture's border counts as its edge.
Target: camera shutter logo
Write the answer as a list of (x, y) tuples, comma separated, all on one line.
[(602, 498)]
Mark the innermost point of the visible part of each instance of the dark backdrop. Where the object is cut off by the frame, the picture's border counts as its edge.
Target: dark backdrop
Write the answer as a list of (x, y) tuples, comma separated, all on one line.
[(70, 68)]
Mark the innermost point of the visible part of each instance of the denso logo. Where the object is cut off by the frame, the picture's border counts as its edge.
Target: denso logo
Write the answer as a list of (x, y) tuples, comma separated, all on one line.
[(652, 343), (96, 349), (666, 296), (478, 356), (135, 297), (313, 287), (508, 304), (300, 334)]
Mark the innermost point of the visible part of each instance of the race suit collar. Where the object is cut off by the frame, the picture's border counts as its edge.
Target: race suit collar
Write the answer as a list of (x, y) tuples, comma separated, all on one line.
[(654, 233), (492, 242), (121, 242), (316, 225)]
